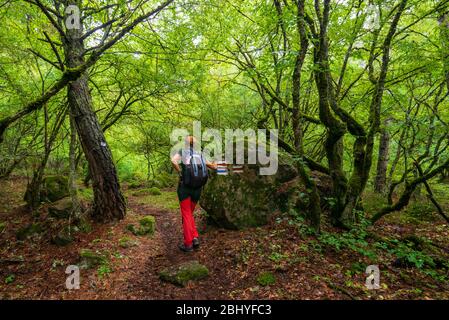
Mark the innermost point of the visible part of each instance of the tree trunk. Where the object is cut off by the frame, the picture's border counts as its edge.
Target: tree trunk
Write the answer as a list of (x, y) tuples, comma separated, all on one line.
[(410, 187), (33, 191), (335, 128), (314, 210), (5, 173), (380, 182), (87, 177), (109, 203), (72, 177), (364, 145)]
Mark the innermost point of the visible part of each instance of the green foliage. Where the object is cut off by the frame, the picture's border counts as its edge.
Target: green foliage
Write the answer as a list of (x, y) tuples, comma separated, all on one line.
[(103, 270), (90, 259), (147, 226), (358, 267), (372, 201), (421, 210), (407, 253), (167, 180), (150, 191), (354, 240), (135, 184), (84, 225), (10, 279), (86, 194), (55, 188), (167, 200), (127, 170), (57, 263), (276, 254), (266, 279)]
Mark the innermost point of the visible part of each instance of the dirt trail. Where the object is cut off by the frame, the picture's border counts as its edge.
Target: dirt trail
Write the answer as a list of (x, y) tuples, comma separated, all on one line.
[(169, 229)]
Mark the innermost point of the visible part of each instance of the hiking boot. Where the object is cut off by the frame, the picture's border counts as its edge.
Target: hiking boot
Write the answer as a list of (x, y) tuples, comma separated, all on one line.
[(185, 248), (196, 243)]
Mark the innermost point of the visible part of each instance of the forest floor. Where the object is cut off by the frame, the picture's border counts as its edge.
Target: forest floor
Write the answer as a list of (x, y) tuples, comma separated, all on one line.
[(303, 266)]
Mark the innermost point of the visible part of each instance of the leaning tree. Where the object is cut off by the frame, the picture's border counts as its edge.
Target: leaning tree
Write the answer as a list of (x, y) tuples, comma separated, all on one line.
[(102, 26)]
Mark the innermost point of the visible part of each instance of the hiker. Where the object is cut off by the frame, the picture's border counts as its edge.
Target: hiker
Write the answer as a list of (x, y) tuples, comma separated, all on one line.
[(192, 169)]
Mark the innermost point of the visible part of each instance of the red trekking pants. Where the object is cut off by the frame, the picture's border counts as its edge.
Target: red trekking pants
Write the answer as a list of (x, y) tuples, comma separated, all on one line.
[(188, 221)]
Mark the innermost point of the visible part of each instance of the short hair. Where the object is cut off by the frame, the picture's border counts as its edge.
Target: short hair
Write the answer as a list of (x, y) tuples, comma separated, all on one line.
[(190, 140)]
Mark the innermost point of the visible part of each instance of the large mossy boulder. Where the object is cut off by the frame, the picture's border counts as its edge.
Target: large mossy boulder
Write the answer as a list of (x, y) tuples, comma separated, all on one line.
[(293, 195), (182, 273), (54, 188), (247, 199)]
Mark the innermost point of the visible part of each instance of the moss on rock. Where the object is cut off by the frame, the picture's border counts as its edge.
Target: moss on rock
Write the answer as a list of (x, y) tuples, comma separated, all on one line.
[(247, 199), (127, 242), (153, 191), (90, 259), (147, 226), (181, 274), (29, 230), (54, 188), (61, 209)]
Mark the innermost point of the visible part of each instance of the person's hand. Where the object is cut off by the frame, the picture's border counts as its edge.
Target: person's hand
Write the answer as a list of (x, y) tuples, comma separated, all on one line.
[(212, 165)]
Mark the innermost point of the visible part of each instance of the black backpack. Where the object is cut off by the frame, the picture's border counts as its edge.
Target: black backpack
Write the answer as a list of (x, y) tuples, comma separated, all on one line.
[(195, 173)]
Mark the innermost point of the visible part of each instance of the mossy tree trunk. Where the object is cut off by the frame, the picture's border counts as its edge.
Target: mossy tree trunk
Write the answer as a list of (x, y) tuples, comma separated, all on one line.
[(335, 128), (347, 193), (314, 210), (380, 182)]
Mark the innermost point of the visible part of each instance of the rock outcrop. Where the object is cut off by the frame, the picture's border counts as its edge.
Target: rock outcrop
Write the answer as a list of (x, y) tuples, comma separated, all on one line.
[(181, 274), (54, 188), (247, 199)]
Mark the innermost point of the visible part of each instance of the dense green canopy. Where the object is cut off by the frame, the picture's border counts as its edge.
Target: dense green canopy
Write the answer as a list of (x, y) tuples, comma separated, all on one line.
[(348, 84)]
